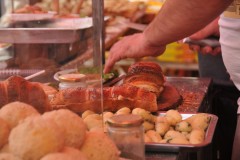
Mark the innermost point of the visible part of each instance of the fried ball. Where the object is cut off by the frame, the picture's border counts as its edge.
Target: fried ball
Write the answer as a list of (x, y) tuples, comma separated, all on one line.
[(173, 117), (98, 146), (178, 140), (15, 112), (86, 113), (147, 138), (72, 125), (124, 110), (34, 138), (148, 126), (183, 126), (202, 115), (8, 156), (93, 120), (162, 125), (200, 122), (5, 149), (146, 115), (68, 153), (154, 136), (107, 115), (173, 134), (196, 136), (4, 132)]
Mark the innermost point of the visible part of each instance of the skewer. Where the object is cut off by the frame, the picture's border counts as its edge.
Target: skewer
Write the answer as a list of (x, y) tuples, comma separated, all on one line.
[(34, 75)]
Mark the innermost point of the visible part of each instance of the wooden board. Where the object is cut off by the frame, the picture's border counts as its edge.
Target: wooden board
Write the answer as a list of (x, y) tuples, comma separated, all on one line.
[(170, 98)]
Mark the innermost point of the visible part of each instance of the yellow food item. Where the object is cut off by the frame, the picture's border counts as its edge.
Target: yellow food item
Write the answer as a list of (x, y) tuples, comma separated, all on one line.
[(93, 120), (196, 136), (4, 132), (106, 116), (173, 134), (179, 140), (68, 153), (98, 146), (146, 115), (86, 113), (124, 110), (173, 117), (8, 156), (200, 122), (15, 112), (72, 125), (154, 136), (162, 125), (183, 126), (34, 138), (5, 149), (148, 126), (147, 138)]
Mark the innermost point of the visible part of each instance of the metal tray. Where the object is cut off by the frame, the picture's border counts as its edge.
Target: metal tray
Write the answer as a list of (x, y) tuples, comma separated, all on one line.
[(166, 147), (47, 31)]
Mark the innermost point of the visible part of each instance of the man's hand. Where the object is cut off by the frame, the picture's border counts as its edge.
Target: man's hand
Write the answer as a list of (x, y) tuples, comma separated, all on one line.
[(211, 29), (134, 46)]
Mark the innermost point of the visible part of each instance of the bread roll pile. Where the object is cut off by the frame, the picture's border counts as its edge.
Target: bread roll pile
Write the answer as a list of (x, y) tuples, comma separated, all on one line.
[(60, 134)]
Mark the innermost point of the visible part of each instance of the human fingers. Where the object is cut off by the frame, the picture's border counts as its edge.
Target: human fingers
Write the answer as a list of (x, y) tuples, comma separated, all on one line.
[(112, 58), (195, 47), (216, 51), (206, 50)]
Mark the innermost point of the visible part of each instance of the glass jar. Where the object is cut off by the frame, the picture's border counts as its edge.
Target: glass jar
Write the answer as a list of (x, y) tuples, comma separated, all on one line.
[(72, 80), (128, 134)]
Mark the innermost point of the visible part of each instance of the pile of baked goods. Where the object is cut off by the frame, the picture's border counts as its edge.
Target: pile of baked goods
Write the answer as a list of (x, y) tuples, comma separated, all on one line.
[(170, 127), (16, 88), (141, 88), (61, 134)]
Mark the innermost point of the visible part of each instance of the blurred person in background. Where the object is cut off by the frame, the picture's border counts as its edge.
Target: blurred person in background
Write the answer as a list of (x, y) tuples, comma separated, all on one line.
[(179, 19), (224, 93)]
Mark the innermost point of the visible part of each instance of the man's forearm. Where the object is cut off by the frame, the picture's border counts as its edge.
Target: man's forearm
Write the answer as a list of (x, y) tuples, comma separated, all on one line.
[(180, 18)]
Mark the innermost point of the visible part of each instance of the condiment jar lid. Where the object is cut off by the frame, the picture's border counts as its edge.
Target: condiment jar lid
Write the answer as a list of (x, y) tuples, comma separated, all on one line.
[(128, 120), (74, 77)]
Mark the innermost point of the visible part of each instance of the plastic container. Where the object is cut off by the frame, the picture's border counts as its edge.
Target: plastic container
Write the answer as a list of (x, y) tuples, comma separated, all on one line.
[(128, 134)]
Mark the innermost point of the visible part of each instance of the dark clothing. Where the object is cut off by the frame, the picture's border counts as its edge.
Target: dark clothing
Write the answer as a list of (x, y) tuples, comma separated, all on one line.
[(224, 96)]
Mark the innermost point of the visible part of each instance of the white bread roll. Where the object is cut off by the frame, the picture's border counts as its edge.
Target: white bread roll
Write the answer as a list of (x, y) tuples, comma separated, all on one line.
[(73, 126), (98, 146), (15, 112), (68, 153), (4, 132), (34, 138)]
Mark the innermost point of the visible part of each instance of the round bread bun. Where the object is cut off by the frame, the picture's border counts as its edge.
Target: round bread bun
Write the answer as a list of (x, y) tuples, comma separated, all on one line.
[(98, 146), (68, 153), (8, 156), (34, 138), (5, 149), (4, 132), (15, 112), (73, 126)]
